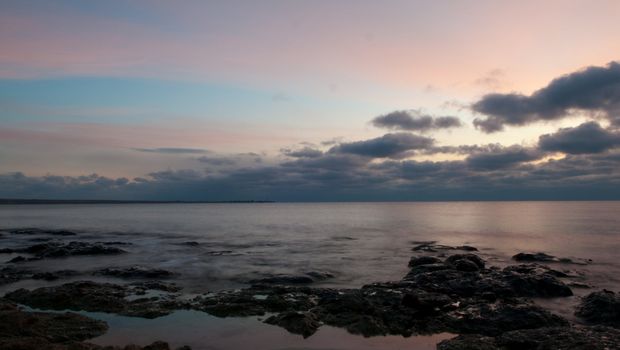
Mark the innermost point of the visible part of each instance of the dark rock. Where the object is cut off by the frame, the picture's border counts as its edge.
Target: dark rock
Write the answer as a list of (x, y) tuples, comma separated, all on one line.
[(191, 243), (444, 300), (535, 269), (96, 297), (579, 285), (144, 286), (420, 269), (565, 338), (304, 323), (21, 330), (469, 342), (433, 247), (466, 260), (459, 277), (534, 257), (54, 275), (17, 259), (283, 279), (542, 257), (59, 249), (11, 275), (426, 303), (51, 327), (38, 231), (134, 272), (466, 248), (256, 301), (115, 243), (558, 338), (495, 319), (319, 275), (536, 282), (602, 307), (221, 252), (423, 260)]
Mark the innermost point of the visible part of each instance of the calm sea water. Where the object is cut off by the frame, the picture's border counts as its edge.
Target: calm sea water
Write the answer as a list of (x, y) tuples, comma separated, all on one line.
[(357, 242)]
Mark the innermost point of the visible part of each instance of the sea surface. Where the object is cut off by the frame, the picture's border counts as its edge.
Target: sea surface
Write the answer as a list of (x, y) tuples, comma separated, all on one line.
[(358, 243)]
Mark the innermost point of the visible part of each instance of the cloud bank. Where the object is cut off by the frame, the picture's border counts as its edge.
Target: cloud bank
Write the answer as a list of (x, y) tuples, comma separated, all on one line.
[(591, 90), (414, 120)]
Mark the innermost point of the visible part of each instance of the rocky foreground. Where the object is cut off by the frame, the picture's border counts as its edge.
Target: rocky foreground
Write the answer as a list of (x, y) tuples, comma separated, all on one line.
[(447, 289)]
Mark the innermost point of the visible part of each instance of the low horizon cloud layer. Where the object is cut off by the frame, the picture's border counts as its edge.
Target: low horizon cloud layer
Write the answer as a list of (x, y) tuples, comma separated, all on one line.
[(579, 162)]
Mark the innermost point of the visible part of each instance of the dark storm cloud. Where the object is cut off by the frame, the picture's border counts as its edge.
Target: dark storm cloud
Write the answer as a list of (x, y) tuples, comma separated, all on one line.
[(593, 90), (500, 173), (414, 120), (386, 146), (172, 150), (498, 157), (18, 185), (586, 138), (306, 152)]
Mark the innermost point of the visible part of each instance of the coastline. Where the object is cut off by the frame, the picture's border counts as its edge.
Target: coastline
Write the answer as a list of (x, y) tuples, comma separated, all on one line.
[(448, 290)]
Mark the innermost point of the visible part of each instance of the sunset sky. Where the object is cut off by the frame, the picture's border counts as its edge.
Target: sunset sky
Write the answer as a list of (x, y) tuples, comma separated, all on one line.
[(310, 100)]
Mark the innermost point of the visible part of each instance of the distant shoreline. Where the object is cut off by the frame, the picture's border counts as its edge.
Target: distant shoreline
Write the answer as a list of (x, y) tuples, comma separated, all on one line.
[(95, 201)]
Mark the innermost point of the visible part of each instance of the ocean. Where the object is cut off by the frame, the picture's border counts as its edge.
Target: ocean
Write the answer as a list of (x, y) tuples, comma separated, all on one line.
[(212, 247)]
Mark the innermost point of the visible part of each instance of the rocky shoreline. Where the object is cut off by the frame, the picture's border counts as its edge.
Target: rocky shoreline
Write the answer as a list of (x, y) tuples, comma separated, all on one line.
[(447, 289)]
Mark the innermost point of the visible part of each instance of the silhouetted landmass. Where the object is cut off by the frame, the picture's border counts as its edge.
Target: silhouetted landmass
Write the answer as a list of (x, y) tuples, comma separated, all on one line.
[(96, 201)]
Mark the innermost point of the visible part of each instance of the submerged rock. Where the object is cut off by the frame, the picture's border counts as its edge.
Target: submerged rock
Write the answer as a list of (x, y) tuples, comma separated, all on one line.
[(283, 279), (56, 249), (54, 275), (307, 278), (12, 274), (134, 272), (543, 257), (38, 231), (97, 297), (423, 260), (59, 249), (433, 247), (19, 328), (304, 323), (320, 275), (602, 307)]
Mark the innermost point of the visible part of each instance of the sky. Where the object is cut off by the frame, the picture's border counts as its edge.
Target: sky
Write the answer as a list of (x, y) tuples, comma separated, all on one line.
[(310, 100)]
